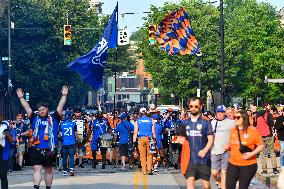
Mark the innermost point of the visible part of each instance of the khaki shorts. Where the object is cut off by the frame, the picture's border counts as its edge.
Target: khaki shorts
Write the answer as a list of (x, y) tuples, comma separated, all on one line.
[(21, 148)]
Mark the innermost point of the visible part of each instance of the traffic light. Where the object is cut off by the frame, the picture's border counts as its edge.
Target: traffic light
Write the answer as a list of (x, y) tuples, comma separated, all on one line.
[(67, 35), (152, 34)]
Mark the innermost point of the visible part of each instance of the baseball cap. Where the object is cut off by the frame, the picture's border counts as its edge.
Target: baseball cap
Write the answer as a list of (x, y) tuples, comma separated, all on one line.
[(143, 110), (155, 116), (123, 115), (221, 108)]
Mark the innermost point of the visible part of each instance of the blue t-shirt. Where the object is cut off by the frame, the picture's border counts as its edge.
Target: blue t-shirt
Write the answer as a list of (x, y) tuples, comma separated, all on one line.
[(13, 134), (21, 128), (43, 123), (197, 133), (145, 126), (159, 131), (68, 129), (4, 151), (98, 128), (124, 129)]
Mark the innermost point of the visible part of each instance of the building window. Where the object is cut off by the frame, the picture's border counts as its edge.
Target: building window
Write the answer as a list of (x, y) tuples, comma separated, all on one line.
[(109, 87), (145, 83), (123, 82), (131, 83)]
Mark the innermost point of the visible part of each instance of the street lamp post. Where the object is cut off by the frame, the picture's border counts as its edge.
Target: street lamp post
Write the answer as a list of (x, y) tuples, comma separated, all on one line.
[(199, 54), (222, 49)]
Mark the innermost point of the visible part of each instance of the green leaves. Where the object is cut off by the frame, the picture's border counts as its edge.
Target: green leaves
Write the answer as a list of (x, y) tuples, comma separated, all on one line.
[(39, 57), (254, 49)]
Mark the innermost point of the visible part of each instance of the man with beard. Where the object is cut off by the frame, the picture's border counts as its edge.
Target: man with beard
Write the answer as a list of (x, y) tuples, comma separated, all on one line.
[(200, 137), (44, 128)]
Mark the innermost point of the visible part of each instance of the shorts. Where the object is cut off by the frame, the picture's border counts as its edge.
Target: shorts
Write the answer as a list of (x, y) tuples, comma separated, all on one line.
[(198, 172), (21, 148), (42, 157), (123, 149), (220, 162)]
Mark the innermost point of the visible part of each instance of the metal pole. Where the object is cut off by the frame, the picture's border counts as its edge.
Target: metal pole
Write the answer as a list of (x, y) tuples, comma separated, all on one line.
[(222, 50), (9, 63), (199, 73), (116, 59)]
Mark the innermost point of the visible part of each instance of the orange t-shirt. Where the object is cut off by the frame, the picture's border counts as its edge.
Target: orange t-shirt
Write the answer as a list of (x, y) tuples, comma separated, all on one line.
[(249, 138)]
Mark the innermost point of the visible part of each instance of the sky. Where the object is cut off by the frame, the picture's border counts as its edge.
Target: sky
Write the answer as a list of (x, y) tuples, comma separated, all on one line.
[(133, 22)]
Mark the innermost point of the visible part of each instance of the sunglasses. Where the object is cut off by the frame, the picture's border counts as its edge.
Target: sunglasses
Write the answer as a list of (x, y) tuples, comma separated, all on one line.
[(193, 106), (237, 117)]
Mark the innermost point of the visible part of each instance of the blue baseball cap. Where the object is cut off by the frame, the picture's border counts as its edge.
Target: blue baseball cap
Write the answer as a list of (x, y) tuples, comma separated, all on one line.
[(155, 116), (123, 115), (221, 108)]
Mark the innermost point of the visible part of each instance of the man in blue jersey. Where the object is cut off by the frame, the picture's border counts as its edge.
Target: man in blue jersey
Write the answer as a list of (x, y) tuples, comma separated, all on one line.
[(44, 128), (98, 128), (200, 137), (22, 133), (5, 142), (146, 129), (68, 134), (159, 130), (124, 130)]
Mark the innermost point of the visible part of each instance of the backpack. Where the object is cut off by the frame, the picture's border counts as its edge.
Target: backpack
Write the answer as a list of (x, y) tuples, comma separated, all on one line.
[(262, 125)]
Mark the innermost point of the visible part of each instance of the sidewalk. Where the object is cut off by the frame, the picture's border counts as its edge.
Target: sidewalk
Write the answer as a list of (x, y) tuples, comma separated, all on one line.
[(270, 179)]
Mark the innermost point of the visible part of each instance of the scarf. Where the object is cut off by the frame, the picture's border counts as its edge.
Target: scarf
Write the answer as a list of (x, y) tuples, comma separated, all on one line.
[(48, 132)]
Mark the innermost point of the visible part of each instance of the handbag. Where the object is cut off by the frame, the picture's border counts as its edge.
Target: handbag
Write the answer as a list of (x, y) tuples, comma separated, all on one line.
[(243, 149)]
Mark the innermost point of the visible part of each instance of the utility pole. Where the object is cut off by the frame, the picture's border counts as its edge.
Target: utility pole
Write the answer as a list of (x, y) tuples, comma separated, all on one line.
[(222, 50), (9, 84)]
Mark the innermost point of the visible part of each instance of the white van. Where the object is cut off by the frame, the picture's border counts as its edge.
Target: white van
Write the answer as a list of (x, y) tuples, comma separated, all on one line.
[(164, 108)]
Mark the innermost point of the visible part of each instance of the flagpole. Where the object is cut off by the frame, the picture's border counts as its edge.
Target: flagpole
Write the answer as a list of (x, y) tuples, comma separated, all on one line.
[(115, 67)]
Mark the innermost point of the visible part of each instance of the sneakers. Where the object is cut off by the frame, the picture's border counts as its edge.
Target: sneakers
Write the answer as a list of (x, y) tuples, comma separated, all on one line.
[(123, 169), (131, 167), (65, 173), (71, 173), (150, 173), (103, 166), (155, 170), (94, 166), (275, 171), (81, 166)]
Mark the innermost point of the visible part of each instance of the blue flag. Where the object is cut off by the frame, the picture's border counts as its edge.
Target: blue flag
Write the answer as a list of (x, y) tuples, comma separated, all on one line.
[(91, 66)]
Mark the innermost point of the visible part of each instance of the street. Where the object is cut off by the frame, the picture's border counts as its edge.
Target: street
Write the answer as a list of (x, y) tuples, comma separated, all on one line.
[(87, 178)]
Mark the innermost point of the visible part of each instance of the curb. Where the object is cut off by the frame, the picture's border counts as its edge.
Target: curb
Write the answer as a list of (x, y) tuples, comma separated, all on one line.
[(267, 180)]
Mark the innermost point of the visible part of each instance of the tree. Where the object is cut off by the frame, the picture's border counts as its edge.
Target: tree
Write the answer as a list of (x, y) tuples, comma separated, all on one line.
[(39, 57), (253, 49)]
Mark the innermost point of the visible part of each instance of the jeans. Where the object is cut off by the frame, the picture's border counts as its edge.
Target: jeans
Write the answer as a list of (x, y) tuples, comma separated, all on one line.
[(11, 157), (68, 151), (3, 173), (281, 153)]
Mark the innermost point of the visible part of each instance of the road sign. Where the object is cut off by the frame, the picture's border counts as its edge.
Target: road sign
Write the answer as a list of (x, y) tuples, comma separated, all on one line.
[(5, 58), (27, 97), (280, 80), (123, 37)]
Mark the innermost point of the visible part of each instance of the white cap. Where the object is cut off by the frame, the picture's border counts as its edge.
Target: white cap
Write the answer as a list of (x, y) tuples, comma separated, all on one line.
[(152, 107), (143, 110)]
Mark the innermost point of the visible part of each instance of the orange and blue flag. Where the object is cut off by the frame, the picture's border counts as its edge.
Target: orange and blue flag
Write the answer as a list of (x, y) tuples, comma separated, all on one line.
[(175, 34)]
